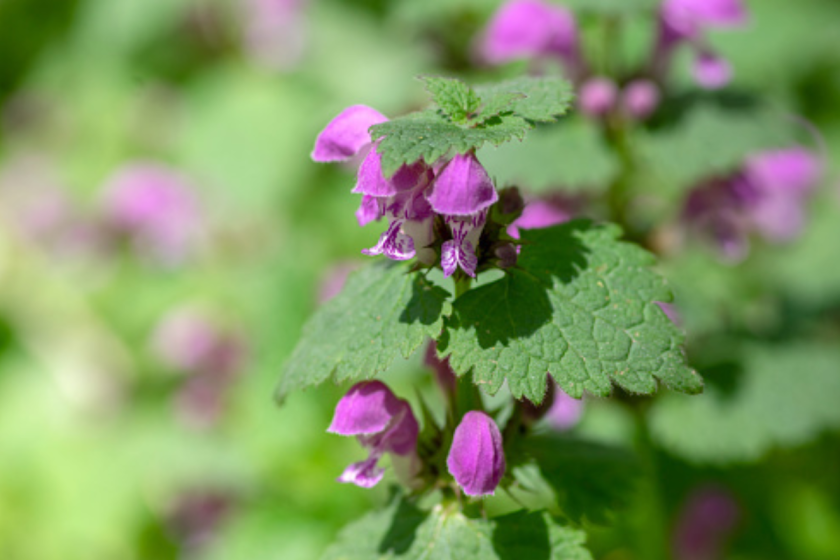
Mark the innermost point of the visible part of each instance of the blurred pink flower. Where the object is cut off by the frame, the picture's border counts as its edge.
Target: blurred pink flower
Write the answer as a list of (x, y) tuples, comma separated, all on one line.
[(275, 32), (156, 208), (707, 519)]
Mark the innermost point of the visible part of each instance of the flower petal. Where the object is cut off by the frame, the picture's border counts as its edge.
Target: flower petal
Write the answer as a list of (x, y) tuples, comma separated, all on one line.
[(364, 474), (393, 243), (462, 188), (371, 182), (367, 408), (369, 210), (346, 134), (529, 29)]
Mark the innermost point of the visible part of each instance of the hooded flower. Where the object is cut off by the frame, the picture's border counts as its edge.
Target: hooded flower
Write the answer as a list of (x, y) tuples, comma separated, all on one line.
[(400, 198), (381, 422), (462, 192), (530, 29), (476, 458)]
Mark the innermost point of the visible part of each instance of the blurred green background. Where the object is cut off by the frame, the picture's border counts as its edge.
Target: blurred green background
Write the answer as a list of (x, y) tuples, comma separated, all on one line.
[(98, 457)]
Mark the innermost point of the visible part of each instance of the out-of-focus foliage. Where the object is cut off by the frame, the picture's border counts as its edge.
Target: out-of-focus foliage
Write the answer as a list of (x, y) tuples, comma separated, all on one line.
[(109, 451)]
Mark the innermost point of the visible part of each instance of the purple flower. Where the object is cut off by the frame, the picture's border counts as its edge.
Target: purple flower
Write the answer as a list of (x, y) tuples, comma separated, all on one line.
[(400, 198), (565, 411), (689, 19), (707, 519), (381, 422), (767, 196), (157, 208), (597, 96), (459, 252), (476, 458), (711, 71), (640, 98), (531, 29), (462, 187), (686, 21), (538, 214), (347, 134)]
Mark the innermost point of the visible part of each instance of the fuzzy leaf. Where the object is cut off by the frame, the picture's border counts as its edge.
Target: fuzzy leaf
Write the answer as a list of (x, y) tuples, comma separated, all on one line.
[(429, 136), (771, 396), (404, 532), (508, 110), (383, 312), (455, 98), (579, 306), (538, 99)]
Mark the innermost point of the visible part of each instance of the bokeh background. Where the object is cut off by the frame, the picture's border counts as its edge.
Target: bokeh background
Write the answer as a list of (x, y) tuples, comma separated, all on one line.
[(140, 347)]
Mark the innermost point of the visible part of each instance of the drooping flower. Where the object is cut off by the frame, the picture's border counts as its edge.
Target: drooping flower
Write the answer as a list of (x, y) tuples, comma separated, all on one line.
[(400, 198), (639, 99), (532, 29), (157, 208), (541, 213), (381, 422), (597, 96), (476, 459)]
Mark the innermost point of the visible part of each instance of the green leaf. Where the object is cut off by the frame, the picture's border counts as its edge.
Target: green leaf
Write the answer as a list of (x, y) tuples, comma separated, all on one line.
[(533, 99), (774, 396), (580, 306), (570, 156), (588, 480), (405, 532), (508, 111), (383, 312), (429, 136), (455, 98)]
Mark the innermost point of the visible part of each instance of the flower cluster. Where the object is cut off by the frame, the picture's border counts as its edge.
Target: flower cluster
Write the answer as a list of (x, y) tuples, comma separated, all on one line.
[(458, 192), (767, 196), (537, 30), (385, 424)]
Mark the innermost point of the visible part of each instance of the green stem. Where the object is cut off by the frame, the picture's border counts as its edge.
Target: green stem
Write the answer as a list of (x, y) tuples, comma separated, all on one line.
[(462, 285), (653, 539)]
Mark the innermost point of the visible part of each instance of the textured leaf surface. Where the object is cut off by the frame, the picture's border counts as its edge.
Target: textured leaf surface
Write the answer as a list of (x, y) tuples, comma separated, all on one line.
[(570, 156), (580, 306), (383, 312), (404, 532), (534, 99), (589, 481), (775, 396), (455, 98), (507, 111)]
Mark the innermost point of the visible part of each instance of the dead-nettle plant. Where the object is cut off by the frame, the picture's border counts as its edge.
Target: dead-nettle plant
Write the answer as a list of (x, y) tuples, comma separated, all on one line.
[(521, 300)]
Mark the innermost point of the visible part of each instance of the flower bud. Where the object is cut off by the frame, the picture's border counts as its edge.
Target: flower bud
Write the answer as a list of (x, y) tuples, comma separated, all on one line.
[(381, 422), (476, 458), (597, 96), (711, 71), (507, 255), (640, 99)]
